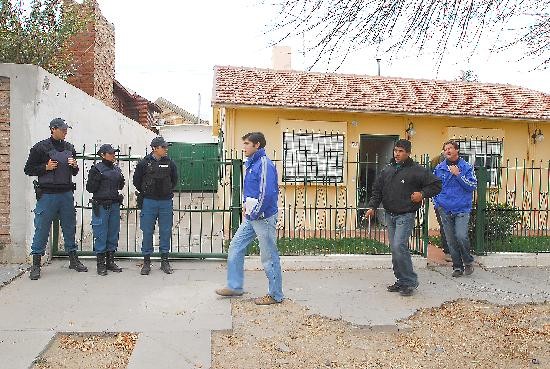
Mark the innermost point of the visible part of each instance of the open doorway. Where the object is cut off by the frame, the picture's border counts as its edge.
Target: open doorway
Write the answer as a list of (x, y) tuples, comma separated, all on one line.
[(375, 152)]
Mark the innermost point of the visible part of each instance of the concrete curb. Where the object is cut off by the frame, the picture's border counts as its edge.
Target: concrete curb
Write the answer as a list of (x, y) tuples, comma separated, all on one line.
[(514, 259), (333, 262)]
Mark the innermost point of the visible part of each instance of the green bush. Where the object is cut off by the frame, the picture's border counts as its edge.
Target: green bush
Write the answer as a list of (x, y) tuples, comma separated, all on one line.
[(500, 222)]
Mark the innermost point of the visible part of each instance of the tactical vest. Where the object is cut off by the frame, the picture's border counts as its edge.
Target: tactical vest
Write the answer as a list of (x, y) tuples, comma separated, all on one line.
[(63, 173), (157, 179), (110, 181)]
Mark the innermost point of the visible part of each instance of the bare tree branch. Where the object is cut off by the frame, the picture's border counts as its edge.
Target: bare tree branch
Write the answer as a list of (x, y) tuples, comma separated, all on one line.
[(334, 29)]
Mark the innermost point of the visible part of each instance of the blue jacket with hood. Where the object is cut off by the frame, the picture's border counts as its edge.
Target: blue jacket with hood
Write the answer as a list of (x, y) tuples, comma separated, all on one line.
[(261, 183), (456, 193)]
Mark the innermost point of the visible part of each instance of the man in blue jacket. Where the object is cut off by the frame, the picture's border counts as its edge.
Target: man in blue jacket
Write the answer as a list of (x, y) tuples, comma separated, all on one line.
[(454, 204), (260, 196)]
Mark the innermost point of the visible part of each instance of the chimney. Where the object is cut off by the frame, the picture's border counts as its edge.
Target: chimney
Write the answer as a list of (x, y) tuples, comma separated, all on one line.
[(281, 57)]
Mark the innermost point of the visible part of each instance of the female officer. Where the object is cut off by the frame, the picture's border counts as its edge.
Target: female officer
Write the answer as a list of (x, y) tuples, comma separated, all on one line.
[(105, 179)]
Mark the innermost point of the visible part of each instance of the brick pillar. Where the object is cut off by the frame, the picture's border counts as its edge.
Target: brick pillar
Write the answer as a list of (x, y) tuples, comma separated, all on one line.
[(4, 163), (94, 56)]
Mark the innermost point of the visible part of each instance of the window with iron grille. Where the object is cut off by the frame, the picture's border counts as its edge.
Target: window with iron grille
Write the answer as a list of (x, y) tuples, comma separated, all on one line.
[(313, 157), (483, 153)]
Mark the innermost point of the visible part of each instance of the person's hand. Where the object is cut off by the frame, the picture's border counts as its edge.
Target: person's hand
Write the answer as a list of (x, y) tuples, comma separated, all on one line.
[(72, 162), (416, 197), (51, 165), (454, 169), (369, 214)]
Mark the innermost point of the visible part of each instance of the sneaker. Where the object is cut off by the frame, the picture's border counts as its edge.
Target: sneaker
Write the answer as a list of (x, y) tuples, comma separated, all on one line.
[(468, 269), (228, 292), (407, 291), (457, 273), (266, 300), (394, 287)]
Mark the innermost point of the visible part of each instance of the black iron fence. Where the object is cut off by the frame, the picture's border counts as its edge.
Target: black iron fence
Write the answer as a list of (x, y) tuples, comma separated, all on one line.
[(315, 217), (512, 215)]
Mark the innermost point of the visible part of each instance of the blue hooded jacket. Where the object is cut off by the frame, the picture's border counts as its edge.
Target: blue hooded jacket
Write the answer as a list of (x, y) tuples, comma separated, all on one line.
[(456, 194), (261, 183)]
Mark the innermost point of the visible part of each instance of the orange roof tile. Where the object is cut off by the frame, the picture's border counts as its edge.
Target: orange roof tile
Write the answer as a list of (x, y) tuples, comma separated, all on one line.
[(331, 91)]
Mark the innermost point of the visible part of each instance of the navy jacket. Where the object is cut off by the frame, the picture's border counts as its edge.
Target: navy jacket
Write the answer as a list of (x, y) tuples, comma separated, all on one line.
[(456, 195)]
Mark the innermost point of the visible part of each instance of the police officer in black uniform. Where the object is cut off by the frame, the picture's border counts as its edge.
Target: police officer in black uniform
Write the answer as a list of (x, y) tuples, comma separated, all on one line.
[(105, 179), (155, 178), (53, 161)]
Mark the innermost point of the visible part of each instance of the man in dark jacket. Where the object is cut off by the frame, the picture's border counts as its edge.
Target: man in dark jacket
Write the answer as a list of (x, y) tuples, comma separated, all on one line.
[(105, 179), (454, 204), (155, 178), (401, 187), (53, 161)]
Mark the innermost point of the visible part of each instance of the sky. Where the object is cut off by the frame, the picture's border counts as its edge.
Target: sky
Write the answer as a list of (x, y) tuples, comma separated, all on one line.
[(169, 49)]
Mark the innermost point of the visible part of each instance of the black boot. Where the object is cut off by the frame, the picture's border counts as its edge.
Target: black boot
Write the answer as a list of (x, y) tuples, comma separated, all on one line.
[(101, 267), (165, 265), (75, 263), (35, 267), (111, 262), (146, 268)]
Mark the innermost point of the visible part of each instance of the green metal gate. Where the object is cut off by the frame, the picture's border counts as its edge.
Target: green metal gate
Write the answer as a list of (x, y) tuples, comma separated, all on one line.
[(198, 166)]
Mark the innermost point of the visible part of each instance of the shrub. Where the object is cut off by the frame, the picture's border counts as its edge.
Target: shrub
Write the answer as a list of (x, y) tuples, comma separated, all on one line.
[(500, 222)]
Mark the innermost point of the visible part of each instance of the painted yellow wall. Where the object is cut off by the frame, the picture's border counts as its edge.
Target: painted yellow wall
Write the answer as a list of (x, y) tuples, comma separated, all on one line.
[(431, 132)]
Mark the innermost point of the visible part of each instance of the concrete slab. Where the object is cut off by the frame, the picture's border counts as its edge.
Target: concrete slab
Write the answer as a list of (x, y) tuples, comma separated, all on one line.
[(333, 262), (18, 349), (8, 272), (172, 350)]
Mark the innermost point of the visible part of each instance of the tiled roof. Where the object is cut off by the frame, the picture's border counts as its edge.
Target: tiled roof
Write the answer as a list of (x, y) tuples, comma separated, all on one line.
[(166, 104), (331, 91)]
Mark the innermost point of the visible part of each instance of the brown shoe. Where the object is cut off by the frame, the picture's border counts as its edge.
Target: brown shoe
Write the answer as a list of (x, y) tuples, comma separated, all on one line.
[(228, 292), (266, 300)]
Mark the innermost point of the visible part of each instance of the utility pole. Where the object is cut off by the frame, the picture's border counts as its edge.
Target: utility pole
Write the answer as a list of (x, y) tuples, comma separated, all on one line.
[(199, 112)]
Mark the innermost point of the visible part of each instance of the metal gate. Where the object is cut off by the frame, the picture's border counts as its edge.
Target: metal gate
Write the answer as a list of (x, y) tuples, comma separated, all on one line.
[(203, 219)]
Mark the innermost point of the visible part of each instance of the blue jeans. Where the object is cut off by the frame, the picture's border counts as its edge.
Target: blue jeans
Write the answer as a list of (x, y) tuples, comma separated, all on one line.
[(49, 207), (400, 227), (150, 212), (266, 232), (456, 231), (106, 227)]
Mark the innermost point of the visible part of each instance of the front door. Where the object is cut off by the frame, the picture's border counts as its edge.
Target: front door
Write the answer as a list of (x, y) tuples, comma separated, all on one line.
[(375, 152)]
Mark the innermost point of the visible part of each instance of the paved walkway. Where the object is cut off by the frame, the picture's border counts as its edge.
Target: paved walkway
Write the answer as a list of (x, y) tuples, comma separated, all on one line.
[(175, 314)]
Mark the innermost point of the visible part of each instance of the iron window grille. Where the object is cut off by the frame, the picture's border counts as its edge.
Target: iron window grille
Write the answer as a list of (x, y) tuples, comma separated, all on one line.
[(313, 157), (483, 153)]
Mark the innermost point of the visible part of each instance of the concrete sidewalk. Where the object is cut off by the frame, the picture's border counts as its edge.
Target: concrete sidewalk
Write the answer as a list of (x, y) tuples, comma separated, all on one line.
[(175, 314)]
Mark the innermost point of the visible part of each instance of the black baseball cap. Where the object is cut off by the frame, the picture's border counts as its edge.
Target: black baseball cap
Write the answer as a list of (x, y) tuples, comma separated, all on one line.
[(59, 123), (107, 148), (160, 141)]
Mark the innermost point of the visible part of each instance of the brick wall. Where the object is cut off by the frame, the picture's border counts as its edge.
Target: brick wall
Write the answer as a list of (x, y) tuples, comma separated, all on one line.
[(4, 162), (94, 57)]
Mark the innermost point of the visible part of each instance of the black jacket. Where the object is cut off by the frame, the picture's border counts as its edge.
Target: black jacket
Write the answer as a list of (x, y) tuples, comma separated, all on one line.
[(95, 179), (38, 158), (396, 183), (139, 174)]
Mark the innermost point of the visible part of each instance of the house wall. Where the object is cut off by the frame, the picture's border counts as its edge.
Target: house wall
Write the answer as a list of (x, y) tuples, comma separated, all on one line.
[(4, 166), (431, 132), (36, 97), (189, 133)]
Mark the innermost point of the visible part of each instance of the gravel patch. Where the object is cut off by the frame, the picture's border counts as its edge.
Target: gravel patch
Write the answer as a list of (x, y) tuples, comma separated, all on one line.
[(458, 334), (78, 351)]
